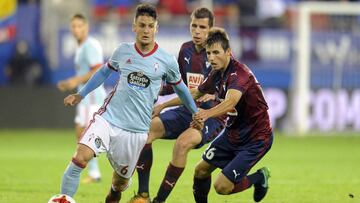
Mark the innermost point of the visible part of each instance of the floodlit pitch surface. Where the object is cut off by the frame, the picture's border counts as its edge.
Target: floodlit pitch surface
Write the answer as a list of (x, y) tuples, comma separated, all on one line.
[(304, 169)]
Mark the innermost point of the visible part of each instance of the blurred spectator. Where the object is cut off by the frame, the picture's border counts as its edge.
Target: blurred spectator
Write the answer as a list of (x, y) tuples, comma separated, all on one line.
[(226, 12), (103, 8), (270, 12), (248, 13), (23, 69)]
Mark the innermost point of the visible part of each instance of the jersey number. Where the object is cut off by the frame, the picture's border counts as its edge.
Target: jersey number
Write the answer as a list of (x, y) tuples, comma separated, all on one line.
[(124, 170), (210, 153)]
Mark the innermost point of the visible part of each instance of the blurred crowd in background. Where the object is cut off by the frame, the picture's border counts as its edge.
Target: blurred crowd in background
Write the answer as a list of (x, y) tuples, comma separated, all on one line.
[(30, 29), (37, 48)]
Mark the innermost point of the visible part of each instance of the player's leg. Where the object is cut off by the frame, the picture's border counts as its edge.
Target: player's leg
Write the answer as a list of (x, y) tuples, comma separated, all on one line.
[(233, 178), (84, 113), (217, 155), (161, 127), (123, 154), (145, 161), (193, 138), (202, 181), (184, 143), (93, 142), (119, 184), (71, 177), (93, 168)]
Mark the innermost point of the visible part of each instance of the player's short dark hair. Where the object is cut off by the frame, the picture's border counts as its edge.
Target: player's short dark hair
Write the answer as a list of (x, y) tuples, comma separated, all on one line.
[(204, 12), (79, 16), (218, 35), (145, 10)]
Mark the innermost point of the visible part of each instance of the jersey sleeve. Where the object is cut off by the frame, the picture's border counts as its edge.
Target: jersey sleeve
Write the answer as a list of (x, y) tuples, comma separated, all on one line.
[(94, 55), (208, 85), (114, 60), (181, 65), (172, 73), (239, 80), (167, 88)]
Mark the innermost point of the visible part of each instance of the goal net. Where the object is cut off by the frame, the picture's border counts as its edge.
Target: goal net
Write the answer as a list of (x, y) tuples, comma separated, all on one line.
[(327, 44)]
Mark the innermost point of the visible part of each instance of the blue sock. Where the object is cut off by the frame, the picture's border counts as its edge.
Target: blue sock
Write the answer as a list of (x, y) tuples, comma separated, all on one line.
[(93, 168), (71, 179)]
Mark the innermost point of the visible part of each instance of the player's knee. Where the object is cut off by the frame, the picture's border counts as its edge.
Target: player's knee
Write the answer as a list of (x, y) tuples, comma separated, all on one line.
[(200, 172), (222, 189), (156, 130), (80, 159), (121, 184), (79, 162), (183, 145)]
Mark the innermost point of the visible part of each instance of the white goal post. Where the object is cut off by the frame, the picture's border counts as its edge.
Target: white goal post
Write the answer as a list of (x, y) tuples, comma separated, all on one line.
[(300, 95)]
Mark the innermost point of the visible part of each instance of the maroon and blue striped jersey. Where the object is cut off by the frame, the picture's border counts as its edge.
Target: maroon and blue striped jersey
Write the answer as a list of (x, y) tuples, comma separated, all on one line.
[(249, 120), (193, 66)]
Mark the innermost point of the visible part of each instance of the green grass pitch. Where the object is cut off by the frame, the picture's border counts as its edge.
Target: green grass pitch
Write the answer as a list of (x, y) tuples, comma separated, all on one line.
[(304, 169)]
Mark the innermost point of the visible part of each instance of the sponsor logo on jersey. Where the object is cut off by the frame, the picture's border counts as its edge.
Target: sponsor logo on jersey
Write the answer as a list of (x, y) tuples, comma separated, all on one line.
[(187, 60), (207, 64), (138, 80), (194, 79)]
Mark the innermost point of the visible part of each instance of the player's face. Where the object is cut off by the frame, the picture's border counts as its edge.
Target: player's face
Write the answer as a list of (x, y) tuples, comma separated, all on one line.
[(217, 56), (199, 28), (145, 28), (79, 28)]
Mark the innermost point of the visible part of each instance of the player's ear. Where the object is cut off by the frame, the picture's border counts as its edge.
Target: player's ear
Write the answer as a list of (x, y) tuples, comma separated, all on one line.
[(228, 52), (133, 27)]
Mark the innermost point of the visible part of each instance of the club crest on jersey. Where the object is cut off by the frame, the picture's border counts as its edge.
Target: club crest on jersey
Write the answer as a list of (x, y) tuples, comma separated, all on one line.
[(98, 142), (138, 80), (156, 66)]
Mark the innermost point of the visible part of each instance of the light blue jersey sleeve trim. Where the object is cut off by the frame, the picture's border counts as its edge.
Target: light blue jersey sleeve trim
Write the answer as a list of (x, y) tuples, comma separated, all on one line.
[(95, 81), (183, 92)]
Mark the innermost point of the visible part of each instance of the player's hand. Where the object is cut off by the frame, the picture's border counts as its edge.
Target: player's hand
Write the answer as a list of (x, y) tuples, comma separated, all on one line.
[(197, 125), (72, 99), (201, 116), (156, 111), (67, 85), (206, 97)]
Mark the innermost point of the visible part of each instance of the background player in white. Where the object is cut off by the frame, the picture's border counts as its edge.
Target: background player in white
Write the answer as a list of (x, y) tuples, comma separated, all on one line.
[(88, 58), (120, 127)]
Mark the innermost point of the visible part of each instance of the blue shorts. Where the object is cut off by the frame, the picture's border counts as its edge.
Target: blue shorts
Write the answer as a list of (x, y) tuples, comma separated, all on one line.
[(236, 160), (178, 120)]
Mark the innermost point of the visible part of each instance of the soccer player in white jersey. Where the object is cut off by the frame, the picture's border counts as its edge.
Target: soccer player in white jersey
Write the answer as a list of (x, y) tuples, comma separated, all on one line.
[(120, 128), (88, 59)]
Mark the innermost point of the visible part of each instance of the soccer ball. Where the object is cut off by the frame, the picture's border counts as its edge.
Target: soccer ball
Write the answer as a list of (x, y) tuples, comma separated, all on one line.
[(61, 198)]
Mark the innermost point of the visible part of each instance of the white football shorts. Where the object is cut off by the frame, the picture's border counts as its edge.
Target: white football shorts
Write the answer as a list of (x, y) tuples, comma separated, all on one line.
[(84, 113), (122, 147)]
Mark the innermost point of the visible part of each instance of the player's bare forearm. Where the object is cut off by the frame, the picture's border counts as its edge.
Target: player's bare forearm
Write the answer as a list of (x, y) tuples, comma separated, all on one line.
[(231, 99)]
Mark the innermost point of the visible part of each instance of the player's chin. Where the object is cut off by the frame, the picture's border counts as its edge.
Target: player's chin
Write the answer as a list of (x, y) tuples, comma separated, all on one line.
[(145, 40)]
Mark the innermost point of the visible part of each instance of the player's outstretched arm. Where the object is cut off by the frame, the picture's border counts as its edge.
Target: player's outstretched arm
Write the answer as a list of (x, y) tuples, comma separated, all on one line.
[(187, 99), (95, 81), (195, 93), (73, 82)]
